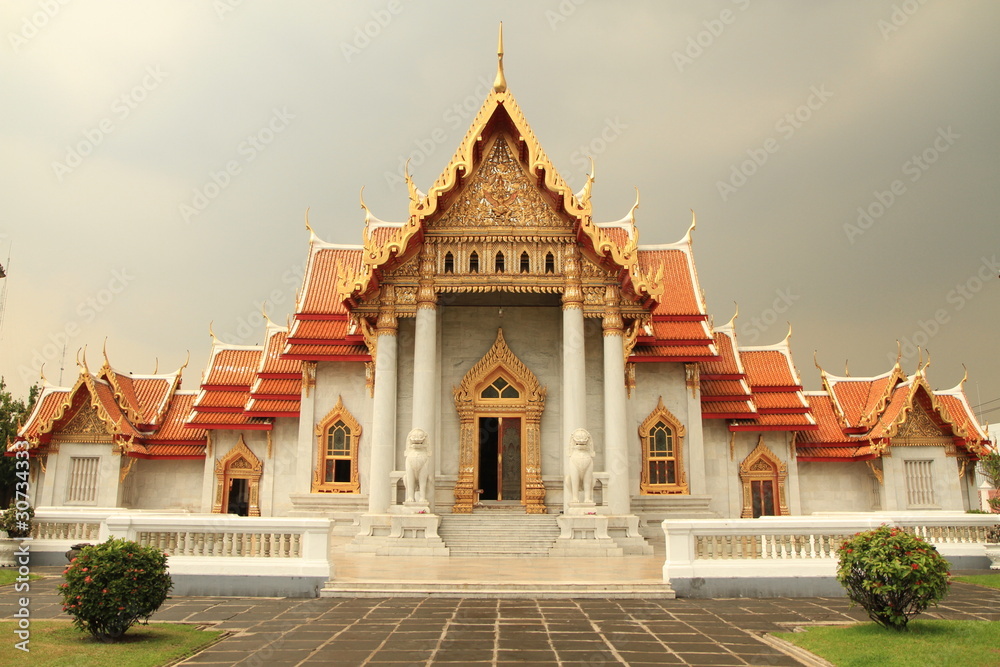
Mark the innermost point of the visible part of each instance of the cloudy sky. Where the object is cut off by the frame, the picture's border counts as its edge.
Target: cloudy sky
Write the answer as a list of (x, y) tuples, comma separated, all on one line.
[(841, 158)]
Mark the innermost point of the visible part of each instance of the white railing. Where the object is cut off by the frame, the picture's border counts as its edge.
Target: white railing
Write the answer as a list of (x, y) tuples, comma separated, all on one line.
[(802, 545)]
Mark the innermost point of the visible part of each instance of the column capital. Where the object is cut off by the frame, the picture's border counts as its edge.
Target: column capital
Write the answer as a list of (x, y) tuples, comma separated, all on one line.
[(426, 296), (387, 324), (612, 321), (572, 290)]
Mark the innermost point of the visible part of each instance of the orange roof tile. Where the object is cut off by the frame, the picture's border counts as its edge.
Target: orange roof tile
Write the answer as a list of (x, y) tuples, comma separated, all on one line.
[(727, 408), (46, 408), (272, 361), (172, 427), (712, 388), (784, 422), (324, 351), (320, 282), (222, 399), (275, 387), (957, 404), (682, 295), (172, 451), (852, 452), (233, 366), (821, 405), (768, 368), (728, 362), (261, 406), (780, 400), (681, 331), (861, 398), (319, 330), (209, 419)]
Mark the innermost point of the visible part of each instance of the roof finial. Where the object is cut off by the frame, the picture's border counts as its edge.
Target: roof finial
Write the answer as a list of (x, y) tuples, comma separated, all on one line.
[(156, 365), (789, 334), (500, 83), (964, 377), (263, 311), (41, 374), (847, 371), (732, 321), (816, 362), (186, 361), (211, 332), (308, 226), (694, 224), (899, 353), (105, 350)]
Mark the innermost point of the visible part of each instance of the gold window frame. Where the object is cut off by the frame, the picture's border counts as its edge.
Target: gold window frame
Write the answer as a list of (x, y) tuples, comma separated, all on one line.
[(319, 484), (661, 414)]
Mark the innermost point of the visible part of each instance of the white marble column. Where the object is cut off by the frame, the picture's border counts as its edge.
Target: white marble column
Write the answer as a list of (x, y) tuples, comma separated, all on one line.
[(305, 456), (615, 398), (574, 376), (425, 363), (383, 447), (694, 446)]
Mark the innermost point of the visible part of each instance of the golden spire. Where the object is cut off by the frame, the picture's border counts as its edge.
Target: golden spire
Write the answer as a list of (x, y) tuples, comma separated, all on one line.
[(500, 83)]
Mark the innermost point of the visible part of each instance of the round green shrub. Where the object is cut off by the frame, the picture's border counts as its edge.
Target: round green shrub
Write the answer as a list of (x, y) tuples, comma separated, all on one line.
[(111, 586), (892, 574)]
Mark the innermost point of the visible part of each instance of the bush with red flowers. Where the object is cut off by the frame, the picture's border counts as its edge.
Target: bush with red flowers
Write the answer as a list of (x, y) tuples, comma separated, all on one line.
[(111, 586), (892, 574)]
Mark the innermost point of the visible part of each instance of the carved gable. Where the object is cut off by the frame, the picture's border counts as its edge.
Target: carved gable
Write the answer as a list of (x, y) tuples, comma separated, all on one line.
[(500, 195), (85, 426), (919, 424)]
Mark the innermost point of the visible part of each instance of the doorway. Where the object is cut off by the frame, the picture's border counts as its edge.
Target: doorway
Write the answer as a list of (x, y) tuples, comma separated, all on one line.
[(500, 458), (238, 501)]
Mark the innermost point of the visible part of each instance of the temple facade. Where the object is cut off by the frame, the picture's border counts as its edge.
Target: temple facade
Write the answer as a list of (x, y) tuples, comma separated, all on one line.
[(498, 319)]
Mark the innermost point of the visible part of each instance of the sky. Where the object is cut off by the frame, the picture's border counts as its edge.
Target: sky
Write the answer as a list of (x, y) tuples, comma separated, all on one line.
[(841, 159)]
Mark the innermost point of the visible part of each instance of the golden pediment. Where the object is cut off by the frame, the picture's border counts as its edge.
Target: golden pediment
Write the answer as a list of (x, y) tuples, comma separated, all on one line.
[(919, 424), (500, 197), (84, 426)]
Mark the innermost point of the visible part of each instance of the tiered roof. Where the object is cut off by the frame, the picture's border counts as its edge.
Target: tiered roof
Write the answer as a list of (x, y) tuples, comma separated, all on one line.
[(225, 389), (142, 414), (776, 389), (858, 417), (277, 389)]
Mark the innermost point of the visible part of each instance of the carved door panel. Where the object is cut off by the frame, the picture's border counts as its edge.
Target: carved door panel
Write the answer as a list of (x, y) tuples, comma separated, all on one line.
[(763, 497), (510, 455)]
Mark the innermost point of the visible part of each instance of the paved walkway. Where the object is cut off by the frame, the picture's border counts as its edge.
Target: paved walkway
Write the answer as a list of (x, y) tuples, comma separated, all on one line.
[(433, 631)]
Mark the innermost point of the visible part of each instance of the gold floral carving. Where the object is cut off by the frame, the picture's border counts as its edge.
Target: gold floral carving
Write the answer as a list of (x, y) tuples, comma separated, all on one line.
[(308, 377), (238, 463), (530, 404), (918, 424), (500, 195), (612, 320), (763, 465), (692, 378), (876, 472), (86, 426)]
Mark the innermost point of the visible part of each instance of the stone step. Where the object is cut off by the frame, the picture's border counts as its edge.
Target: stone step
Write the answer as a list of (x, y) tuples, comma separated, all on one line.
[(509, 590), (504, 534)]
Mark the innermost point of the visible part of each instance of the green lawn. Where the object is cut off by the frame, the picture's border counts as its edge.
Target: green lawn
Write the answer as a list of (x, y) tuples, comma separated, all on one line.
[(988, 580), (58, 643), (9, 575), (929, 642)]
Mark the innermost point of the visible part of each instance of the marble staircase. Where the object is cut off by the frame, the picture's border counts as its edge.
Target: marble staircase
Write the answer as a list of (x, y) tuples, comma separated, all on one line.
[(496, 532)]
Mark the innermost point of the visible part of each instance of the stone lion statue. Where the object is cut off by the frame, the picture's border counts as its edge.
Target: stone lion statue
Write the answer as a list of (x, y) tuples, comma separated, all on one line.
[(417, 465), (580, 476)]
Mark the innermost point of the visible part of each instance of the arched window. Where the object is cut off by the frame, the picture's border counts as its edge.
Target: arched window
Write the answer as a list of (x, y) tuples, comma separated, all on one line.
[(500, 389), (550, 263), (525, 263), (662, 437), (449, 263), (337, 443), (474, 262), (499, 263)]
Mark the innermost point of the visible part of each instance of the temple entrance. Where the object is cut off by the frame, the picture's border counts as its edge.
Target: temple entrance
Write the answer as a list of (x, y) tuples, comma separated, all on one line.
[(500, 458), (500, 406), (238, 499)]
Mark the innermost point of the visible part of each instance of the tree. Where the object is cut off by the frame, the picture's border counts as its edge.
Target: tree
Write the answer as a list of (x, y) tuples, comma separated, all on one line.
[(13, 413)]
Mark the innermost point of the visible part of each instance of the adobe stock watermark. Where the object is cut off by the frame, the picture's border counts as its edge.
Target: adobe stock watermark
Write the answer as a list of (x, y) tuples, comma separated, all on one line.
[(370, 30), (914, 167), (32, 25), (453, 118), (224, 7), (740, 173), (752, 329), (249, 326), (612, 129), (87, 311), (246, 152), (121, 108), (899, 17), (957, 298), (562, 12), (704, 39)]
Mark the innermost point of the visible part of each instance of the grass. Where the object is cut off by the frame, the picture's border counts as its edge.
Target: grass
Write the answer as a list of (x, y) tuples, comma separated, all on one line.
[(9, 576), (988, 580), (58, 643), (929, 642)]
